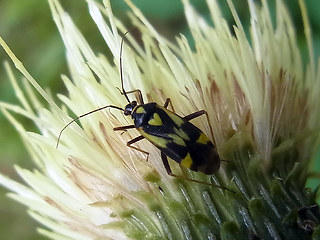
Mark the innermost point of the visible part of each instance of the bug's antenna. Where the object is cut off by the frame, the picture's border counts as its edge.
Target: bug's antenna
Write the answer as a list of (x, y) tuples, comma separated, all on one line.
[(121, 71), (83, 115)]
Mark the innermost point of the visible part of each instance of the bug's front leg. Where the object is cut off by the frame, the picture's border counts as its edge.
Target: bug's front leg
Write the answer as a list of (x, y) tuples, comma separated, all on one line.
[(137, 91), (122, 128), (132, 141)]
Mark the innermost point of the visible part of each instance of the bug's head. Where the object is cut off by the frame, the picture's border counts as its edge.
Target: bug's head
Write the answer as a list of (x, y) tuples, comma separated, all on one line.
[(129, 108)]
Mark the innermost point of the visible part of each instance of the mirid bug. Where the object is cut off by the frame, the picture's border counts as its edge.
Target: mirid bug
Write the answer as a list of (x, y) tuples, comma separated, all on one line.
[(172, 134)]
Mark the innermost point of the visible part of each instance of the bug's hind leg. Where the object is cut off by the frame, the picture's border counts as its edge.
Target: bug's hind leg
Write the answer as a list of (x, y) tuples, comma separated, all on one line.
[(169, 171), (166, 164), (198, 114)]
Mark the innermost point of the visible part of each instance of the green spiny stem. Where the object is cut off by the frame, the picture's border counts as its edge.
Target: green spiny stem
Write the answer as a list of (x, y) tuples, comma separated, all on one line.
[(264, 206)]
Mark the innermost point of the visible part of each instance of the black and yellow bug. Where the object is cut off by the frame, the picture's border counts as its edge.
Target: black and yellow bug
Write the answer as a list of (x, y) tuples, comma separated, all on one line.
[(174, 135)]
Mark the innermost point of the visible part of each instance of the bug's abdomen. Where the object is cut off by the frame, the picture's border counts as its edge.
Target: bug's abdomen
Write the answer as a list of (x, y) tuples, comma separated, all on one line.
[(204, 157)]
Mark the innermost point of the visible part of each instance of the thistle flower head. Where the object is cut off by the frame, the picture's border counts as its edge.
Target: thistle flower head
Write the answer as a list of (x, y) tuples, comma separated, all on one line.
[(262, 105)]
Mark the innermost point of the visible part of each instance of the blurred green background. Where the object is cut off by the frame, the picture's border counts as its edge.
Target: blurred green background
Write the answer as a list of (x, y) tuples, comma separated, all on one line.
[(28, 28)]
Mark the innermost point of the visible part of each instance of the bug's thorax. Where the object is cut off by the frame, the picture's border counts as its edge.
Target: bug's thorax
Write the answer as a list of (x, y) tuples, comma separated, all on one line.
[(141, 114)]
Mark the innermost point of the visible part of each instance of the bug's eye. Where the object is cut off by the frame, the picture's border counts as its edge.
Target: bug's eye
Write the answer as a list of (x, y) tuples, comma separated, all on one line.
[(128, 109), (127, 112)]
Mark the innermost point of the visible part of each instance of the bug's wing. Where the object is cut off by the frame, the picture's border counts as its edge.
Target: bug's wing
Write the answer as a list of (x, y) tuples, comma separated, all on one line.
[(190, 147), (180, 140)]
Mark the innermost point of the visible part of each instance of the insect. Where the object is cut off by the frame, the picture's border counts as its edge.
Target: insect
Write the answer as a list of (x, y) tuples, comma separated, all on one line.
[(175, 136)]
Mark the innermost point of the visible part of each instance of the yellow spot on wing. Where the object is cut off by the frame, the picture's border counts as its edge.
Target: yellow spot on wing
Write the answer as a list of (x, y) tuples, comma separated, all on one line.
[(156, 120), (174, 117), (157, 141), (177, 139), (187, 161), (177, 120), (140, 110), (181, 133), (203, 139)]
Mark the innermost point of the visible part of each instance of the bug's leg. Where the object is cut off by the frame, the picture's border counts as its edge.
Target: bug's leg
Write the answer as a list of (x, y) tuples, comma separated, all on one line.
[(168, 169), (198, 114), (139, 95), (137, 91), (166, 164), (166, 104), (195, 115), (132, 141), (123, 128)]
